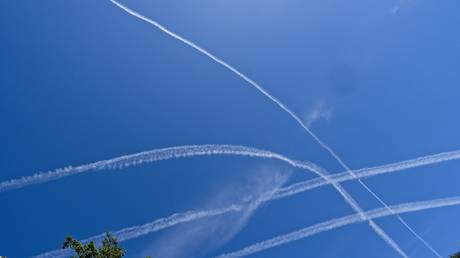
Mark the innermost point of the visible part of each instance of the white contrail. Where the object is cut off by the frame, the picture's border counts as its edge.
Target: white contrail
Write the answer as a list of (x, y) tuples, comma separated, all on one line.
[(250, 205), (340, 222), (148, 157), (282, 106), (159, 224), (216, 149), (178, 218), (354, 205)]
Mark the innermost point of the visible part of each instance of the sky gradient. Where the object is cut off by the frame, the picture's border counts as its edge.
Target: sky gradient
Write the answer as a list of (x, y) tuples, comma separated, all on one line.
[(83, 81)]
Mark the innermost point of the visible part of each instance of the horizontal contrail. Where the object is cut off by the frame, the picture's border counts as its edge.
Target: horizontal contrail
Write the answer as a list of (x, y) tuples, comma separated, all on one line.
[(210, 149), (340, 222), (148, 157)]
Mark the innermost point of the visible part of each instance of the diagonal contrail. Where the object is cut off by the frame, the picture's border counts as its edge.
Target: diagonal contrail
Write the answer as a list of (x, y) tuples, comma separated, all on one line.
[(250, 204), (340, 189), (200, 150), (179, 218), (157, 225), (340, 222)]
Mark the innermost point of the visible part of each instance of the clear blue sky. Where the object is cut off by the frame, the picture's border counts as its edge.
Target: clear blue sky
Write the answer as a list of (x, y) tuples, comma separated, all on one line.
[(82, 81)]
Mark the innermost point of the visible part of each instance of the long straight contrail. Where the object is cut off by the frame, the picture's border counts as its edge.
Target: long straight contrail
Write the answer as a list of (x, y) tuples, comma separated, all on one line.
[(340, 222), (341, 190)]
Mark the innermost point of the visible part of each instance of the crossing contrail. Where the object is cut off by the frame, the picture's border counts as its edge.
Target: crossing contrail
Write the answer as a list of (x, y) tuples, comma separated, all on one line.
[(293, 116), (178, 218), (340, 222), (148, 157), (199, 150), (216, 149)]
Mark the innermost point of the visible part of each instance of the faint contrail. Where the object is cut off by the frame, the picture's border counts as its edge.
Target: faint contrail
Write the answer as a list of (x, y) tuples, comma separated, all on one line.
[(287, 110), (159, 224), (340, 222), (250, 204)]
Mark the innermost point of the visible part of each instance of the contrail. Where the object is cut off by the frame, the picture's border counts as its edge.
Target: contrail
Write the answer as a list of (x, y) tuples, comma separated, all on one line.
[(159, 224), (200, 150), (189, 151), (178, 218), (250, 204), (216, 149), (354, 205), (148, 157), (340, 222), (283, 107)]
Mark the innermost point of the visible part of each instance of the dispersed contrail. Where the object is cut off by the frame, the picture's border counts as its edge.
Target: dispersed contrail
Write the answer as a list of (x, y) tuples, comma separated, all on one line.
[(289, 112), (250, 204), (157, 225), (340, 222)]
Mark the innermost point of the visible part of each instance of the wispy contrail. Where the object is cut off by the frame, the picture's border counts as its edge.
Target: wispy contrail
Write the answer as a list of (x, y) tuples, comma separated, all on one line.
[(159, 224), (340, 222), (341, 190), (198, 238), (249, 205)]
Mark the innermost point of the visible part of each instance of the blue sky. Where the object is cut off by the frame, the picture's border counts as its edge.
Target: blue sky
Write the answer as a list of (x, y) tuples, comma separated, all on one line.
[(82, 81)]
